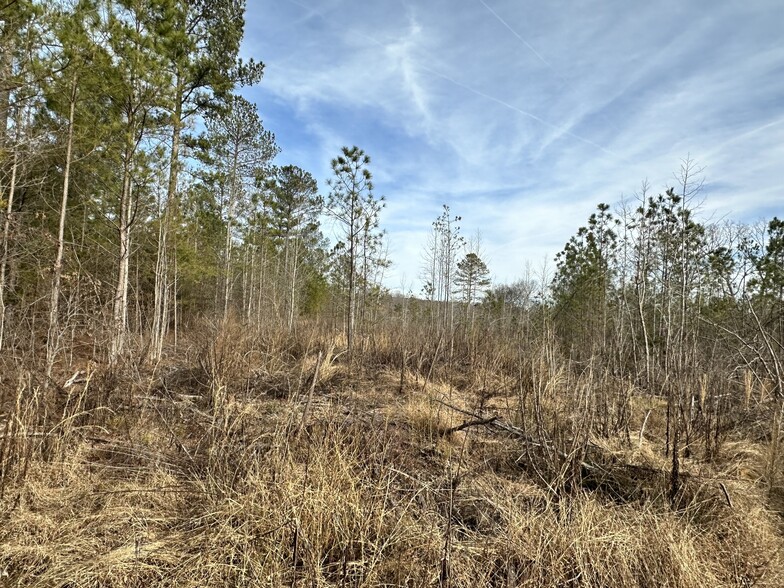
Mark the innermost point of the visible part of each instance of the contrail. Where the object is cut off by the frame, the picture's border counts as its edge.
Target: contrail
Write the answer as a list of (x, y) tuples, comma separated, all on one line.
[(563, 80), (745, 135), (516, 34), (520, 111), (308, 9), (488, 96), (501, 102)]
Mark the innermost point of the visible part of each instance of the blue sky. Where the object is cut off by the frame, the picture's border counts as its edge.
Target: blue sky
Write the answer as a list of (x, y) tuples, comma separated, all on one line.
[(522, 115)]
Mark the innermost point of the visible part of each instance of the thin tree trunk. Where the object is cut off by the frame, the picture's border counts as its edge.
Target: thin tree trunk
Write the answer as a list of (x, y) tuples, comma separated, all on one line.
[(175, 309), (171, 214), (234, 193), (53, 338), (161, 289), (227, 269), (6, 245), (120, 302), (5, 93), (262, 281), (251, 284), (351, 290), (293, 286)]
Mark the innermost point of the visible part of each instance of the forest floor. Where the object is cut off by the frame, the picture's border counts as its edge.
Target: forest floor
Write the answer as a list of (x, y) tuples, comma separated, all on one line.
[(268, 462)]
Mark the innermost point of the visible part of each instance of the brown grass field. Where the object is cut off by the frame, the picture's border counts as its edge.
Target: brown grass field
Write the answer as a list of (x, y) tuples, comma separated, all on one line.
[(261, 459)]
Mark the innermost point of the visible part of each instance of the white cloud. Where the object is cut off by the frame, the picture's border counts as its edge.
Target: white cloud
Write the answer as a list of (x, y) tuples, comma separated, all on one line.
[(524, 116)]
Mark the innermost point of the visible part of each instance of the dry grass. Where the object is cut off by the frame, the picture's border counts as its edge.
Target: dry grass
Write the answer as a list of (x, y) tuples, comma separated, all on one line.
[(245, 465)]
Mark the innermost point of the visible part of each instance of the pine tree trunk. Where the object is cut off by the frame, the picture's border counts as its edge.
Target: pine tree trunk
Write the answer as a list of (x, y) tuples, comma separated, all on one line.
[(251, 284), (293, 285), (161, 290), (234, 194), (262, 283), (175, 310), (5, 93), (227, 269), (5, 252), (120, 302), (170, 216), (53, 338), (351, 288)]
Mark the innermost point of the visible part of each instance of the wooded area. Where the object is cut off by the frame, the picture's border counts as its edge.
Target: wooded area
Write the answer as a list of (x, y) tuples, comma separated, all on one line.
[(174, 323)]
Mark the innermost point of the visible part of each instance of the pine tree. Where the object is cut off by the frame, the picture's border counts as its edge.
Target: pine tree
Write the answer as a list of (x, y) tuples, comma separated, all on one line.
[(294, 208), (240, 154), (21, 30), (583, 280), (356, 210), (140, 91), (201, 50), (471, 277)]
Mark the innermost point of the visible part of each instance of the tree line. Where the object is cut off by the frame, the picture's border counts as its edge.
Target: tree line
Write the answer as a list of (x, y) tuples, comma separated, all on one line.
[(679, 305), (139, 190)]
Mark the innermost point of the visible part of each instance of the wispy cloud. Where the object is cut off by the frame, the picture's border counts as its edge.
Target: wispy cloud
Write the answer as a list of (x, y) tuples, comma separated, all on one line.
[(523, 116)]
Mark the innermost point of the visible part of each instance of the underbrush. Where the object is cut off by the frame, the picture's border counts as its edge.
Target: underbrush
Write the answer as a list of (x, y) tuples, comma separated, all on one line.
[(257, 459)]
